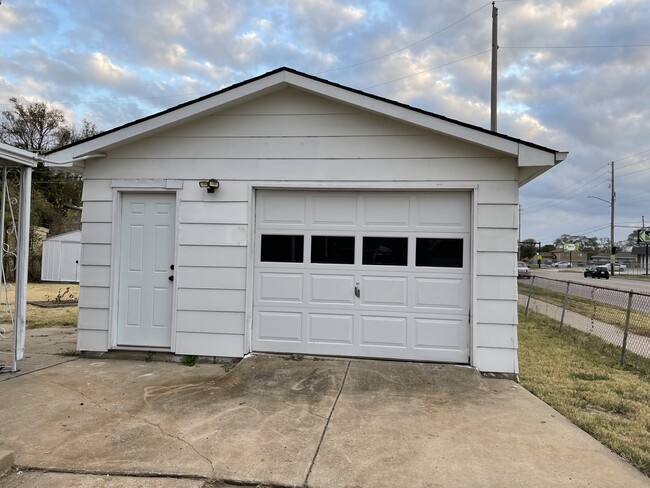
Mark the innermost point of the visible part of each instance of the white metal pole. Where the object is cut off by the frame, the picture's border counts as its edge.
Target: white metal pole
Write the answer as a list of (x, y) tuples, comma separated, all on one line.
[(22, 251), (2, 237)]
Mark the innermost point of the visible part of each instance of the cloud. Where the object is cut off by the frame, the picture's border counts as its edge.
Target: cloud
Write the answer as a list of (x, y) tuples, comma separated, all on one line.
[(112, 62), (103, 71)]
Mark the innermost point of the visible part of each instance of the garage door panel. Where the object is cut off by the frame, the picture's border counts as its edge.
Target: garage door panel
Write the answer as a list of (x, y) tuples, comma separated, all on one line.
[(408, 253), (448, 295), (439, 333), (331, 289), (280, 287), (334, 210), (279, 326), (331, 328), (383, 331), (280, 209), (444, 212), (384, 291), (386, 211)]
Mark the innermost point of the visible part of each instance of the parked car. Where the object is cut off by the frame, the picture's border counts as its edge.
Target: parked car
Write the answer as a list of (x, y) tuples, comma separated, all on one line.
[(597, 272), (562, 264), (618, 266), (523, 271)]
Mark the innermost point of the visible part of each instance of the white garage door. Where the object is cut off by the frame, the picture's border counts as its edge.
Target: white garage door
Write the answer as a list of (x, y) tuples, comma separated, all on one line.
[(366, 274)]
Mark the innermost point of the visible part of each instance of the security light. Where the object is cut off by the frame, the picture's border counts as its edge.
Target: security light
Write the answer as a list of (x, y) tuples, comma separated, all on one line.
[(210, 185)]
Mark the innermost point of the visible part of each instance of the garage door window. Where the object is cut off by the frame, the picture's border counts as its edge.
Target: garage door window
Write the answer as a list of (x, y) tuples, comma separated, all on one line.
[(385, 251), (439, 253), (332, 249), (282, 248)]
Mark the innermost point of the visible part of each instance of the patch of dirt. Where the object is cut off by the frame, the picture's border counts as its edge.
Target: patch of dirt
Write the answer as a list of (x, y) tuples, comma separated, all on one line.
[(46, 304)]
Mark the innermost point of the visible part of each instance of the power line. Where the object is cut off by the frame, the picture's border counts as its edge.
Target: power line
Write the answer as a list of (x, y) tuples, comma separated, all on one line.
[(405, 47), (427, 70), (578, 185), (595, 46), (591, 186)]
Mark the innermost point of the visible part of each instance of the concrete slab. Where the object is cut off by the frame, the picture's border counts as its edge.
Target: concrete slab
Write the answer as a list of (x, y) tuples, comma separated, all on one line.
[(6, 461), (43, 348), (416, 425), (35, 479), (275, 421), (260, 423)]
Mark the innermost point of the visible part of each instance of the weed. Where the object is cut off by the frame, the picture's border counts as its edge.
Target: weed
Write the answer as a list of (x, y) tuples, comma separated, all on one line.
[(296, 357), (69, 353), (189, 360), (65, 296), (228, 366), (149, 356)]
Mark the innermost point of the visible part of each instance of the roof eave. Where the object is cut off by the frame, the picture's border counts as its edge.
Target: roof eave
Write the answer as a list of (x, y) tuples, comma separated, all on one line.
[(527, 154), (12, 156)]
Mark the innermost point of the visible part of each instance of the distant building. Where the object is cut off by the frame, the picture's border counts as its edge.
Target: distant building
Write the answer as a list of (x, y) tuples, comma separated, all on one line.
[(576, 257)]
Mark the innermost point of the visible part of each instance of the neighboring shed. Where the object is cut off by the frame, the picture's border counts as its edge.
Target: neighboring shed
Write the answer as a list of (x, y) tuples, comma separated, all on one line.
[(343, 224), (61, 257)]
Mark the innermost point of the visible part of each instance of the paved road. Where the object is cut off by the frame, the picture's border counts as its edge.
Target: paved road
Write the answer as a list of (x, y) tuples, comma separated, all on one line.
[(638, 286)]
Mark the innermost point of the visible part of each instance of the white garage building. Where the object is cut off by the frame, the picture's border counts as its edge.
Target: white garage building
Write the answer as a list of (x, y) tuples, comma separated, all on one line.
[(343, 224)]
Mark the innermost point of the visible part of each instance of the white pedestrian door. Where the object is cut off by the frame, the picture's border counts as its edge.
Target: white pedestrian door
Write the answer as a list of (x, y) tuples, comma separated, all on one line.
[(146, 256)]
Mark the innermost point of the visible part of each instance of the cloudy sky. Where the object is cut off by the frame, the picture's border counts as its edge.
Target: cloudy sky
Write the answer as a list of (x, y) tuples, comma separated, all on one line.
[(574, 75)]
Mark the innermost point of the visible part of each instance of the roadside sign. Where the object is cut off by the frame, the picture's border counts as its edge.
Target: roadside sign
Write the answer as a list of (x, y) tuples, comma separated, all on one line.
[(644, 235), (570, 247)]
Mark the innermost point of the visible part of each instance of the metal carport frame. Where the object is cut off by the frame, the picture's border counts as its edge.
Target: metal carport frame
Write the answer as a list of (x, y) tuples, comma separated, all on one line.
[(24, 162)]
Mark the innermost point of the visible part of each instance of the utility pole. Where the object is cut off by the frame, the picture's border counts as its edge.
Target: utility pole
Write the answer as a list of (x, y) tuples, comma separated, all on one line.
[(646, 244), (495, 47), (612, 257)]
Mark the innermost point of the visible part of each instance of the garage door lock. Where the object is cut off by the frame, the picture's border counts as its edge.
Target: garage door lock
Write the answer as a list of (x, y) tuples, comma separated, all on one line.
[(357, 291)]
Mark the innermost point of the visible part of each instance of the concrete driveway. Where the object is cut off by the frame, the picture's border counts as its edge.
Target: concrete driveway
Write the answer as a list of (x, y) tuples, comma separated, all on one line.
[(282, 422)]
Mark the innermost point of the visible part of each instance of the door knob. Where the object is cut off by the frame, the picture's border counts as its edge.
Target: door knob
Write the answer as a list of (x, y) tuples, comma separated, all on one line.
[(171, 278)]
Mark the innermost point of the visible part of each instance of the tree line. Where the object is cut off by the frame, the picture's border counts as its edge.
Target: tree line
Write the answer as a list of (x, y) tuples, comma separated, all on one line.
[(56, 194), (589, 245)]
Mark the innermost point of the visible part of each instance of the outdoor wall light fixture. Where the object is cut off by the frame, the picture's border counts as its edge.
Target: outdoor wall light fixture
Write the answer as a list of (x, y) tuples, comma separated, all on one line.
[(210, 185)]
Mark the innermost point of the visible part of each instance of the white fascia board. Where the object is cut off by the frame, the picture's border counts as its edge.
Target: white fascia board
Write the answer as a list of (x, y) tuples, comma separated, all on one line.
[(277, 81), (404, 114), (12, 156)]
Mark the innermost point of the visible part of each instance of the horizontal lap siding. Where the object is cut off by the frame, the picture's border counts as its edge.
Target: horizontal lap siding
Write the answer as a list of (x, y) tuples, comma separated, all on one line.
[(295, 137), (495, 336), (95, 274)]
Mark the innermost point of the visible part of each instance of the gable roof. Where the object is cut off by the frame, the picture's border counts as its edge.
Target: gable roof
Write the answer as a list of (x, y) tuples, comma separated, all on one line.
[(528, 154)]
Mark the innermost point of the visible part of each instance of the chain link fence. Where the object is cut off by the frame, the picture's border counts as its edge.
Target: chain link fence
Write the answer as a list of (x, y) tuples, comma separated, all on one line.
[(621, 318)]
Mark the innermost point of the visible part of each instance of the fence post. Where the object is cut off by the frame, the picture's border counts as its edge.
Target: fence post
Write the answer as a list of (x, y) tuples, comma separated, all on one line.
[(627, 325), (566, 299), (530, 292)]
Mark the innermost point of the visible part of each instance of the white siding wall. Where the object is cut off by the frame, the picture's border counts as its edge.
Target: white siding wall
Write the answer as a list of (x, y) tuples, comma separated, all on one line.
[(294, 137)]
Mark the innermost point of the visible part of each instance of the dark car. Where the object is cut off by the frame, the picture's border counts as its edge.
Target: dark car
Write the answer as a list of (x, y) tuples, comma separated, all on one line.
[(597, 272)]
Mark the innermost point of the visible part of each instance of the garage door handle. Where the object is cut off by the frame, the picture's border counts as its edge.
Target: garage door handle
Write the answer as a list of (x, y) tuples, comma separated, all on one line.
[(170, 278), (357, 291)]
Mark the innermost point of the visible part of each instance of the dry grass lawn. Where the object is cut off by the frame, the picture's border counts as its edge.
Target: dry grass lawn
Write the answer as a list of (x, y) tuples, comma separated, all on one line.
[(580, 376), (38, 317)]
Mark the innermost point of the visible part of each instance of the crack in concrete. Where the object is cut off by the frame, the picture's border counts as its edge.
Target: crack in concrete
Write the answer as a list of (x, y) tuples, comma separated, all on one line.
[(327, 423), (148, 422)]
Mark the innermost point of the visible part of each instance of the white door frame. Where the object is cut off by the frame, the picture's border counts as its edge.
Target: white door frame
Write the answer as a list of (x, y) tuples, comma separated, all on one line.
[(358, 186), (118, 192)]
